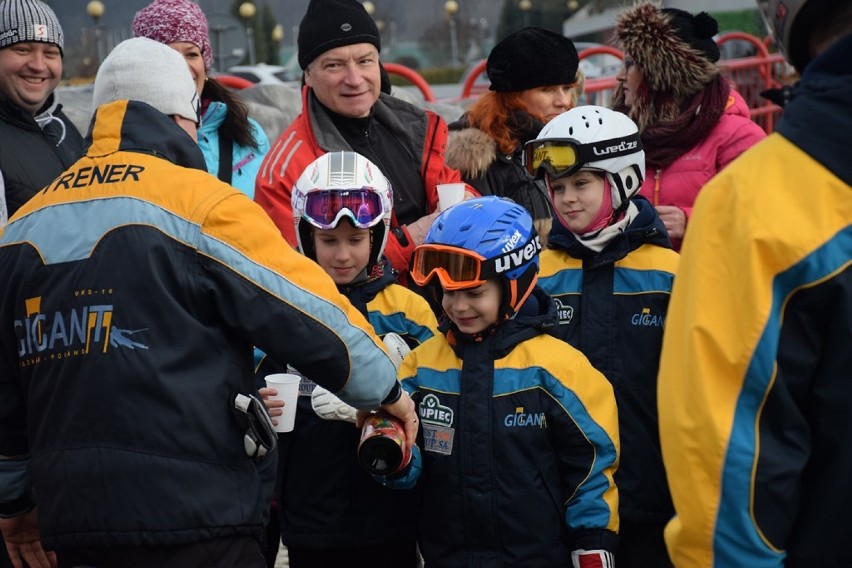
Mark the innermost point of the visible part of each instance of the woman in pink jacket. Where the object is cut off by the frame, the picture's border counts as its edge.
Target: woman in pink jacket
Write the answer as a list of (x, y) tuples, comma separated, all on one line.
[(692, 123)]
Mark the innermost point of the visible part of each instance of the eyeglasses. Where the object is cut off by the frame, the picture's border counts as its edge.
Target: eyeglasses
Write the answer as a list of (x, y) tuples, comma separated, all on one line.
[(324, 209), (455, 268), (560, 157)]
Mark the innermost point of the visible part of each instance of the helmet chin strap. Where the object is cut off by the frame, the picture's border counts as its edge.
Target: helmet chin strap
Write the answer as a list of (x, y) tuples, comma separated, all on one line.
[(617, 180), (516, 292)]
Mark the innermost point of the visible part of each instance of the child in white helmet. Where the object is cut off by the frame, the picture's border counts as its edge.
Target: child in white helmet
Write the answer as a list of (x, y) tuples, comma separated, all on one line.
[(610, 270), (332, 513)]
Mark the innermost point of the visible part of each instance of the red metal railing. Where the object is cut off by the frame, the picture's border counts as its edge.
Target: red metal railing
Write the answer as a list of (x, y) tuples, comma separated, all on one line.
[(413, 77), (748, 75), (467, 87), (601, 50)]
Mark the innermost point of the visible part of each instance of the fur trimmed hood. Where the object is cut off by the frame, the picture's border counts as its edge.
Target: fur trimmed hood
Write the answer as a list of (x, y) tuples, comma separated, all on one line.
[(673, 71), (470, 151)]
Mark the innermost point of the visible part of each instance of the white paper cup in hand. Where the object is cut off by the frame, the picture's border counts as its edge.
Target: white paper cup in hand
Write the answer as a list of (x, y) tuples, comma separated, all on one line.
[(287, 386), (449, 194)]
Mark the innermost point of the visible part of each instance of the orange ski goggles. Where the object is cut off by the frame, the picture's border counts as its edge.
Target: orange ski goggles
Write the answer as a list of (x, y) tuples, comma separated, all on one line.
[(455, 268)]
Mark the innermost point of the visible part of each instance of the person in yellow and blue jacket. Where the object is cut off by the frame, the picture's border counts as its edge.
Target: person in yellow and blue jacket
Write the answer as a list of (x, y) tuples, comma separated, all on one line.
[(756, 369), (610, 270), (331, 512), (519, 433)]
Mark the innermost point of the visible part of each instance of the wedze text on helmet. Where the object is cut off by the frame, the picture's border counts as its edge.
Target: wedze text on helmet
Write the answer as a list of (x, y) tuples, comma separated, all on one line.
[(623, 147)]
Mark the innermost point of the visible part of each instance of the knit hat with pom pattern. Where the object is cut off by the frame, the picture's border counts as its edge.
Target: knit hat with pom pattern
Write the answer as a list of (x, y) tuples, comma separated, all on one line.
[(170, 21)]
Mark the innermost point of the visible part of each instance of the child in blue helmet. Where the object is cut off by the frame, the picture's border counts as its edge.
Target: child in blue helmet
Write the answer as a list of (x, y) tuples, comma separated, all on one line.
[(610, 269), (331, 512), (519, 436)]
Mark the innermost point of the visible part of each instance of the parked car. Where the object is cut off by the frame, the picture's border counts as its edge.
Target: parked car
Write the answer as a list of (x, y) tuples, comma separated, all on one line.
[(263, 74), (598, 65)]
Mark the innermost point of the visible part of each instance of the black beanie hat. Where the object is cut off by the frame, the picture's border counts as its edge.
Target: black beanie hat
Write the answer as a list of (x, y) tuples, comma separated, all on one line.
[(695, 30), (530, 58), (334, 23)]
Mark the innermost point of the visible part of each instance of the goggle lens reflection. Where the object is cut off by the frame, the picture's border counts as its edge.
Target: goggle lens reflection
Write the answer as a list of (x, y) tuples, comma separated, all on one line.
[(363, 206)]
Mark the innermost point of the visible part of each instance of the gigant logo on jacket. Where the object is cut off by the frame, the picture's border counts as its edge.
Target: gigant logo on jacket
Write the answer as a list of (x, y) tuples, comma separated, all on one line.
[(70, 333)]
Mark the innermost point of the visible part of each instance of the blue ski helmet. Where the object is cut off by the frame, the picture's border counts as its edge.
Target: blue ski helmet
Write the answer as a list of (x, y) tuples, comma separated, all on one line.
[(501, 235)]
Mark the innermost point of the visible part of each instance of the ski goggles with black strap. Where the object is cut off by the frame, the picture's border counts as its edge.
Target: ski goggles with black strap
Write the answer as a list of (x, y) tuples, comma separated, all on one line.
[(560, 157), (458, 268), (454, 267), (325, 209)]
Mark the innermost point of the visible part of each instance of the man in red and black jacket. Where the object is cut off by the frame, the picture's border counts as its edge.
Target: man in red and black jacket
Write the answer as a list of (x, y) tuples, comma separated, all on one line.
[(343, 108)]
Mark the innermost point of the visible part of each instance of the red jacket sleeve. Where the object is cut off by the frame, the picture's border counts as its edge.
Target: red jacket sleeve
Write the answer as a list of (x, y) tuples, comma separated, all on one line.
[(434, 169), (292, 152)]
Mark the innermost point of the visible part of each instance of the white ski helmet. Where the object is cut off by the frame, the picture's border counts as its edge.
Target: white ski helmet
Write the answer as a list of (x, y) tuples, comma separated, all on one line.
[(342, 185), (594, 138)]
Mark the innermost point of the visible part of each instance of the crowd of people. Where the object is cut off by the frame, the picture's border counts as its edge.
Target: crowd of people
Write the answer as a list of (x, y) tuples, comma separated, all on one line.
[(624, 346)]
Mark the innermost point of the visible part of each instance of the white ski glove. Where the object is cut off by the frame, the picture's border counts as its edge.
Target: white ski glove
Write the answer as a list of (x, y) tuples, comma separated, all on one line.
[(328, 407), (397, 348)]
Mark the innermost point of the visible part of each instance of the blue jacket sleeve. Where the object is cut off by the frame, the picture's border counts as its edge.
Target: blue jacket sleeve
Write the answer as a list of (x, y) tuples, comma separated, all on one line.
[(408, 477)]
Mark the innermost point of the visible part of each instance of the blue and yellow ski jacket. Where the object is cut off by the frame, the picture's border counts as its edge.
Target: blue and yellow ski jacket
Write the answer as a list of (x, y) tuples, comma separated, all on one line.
[(519, 443), (611, 305), (756, 373)]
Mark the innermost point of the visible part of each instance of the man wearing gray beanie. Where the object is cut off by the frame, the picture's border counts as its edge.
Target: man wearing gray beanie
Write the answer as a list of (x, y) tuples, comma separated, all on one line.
[(37, 140), (343, 108), (134, 289)]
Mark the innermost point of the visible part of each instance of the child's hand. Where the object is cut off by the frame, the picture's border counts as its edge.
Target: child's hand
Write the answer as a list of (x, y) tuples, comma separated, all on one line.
[(274, 406)]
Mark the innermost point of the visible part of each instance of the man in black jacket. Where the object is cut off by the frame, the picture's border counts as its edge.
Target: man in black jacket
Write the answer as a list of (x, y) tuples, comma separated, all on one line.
[(134, 288), (37, 141)]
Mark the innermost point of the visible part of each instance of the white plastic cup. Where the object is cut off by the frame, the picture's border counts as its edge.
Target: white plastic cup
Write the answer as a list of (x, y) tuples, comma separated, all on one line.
[(287, 386), (449, 194)]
